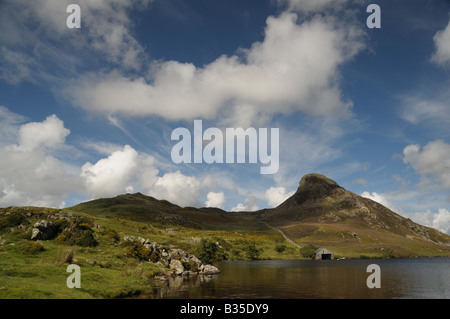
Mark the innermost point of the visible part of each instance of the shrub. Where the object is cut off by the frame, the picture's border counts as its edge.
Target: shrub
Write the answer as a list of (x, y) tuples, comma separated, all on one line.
[(136, 250), (78, 233), (388, 253), (308, 251), (86, 239), (252, 252), (13, 220), (279, 248), (32, 248), (61, 238), (208, 251), (111, 233)]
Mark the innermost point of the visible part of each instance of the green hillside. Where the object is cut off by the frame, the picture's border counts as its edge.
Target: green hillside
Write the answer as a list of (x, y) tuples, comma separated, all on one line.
[(122, 243)]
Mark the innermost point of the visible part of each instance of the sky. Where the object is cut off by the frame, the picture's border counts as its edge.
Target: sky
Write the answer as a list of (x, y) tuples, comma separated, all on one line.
[(89, 112)]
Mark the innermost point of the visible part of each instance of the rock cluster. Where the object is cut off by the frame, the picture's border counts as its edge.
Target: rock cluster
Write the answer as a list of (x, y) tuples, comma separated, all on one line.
[(181, 262), (43, 230)]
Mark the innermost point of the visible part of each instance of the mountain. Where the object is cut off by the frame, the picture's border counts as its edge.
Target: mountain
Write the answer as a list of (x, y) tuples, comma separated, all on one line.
[(320, 212), (324, 214), (147, 209)]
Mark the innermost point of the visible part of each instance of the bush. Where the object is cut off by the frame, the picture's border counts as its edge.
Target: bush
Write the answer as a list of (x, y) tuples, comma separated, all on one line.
[(388, 253), (252, 252), (13, 220), (279, 248), (32, 248), (111, 233), (136, 250), (208, 251), (86, 239), (308, 251), (78, 233)]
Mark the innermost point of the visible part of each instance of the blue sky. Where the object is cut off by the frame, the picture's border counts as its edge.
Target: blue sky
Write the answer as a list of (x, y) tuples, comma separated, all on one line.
[(88, 113)]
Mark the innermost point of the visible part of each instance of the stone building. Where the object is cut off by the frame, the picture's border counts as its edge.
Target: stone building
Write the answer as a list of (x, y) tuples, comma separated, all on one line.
[(324, 254)]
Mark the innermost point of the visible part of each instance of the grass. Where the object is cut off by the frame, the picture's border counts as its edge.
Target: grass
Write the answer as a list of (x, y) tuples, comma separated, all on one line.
[(30, 269), (37, 270)]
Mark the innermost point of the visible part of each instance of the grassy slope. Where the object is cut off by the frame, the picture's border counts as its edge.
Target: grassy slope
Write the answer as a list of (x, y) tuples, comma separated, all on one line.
[(43, 274)]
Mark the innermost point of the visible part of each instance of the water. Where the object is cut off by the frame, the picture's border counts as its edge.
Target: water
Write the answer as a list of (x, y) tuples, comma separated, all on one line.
[(288, 279)]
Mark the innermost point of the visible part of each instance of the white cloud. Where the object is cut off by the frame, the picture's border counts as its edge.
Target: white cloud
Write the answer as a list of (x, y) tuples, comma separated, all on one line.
[(29, 172), (432, 162), (112, 175), (379, 198), (178, 188), (433, 110), (215, 200), (441, 56), (251, 204), (35, 36), (295, 68), (9, 121), (276, 195), (49, 134), (439, 220)]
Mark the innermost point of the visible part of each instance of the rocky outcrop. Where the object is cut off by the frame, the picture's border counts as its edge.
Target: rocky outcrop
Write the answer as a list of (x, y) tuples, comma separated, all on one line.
[(43, 230), (179, 261)]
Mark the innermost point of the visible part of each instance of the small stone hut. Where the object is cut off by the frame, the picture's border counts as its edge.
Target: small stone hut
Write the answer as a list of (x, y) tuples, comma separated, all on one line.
[(324, 254)]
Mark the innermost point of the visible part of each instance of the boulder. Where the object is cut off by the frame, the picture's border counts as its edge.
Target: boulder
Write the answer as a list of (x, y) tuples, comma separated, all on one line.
[(177, 266), (209, 270), (43, 230)]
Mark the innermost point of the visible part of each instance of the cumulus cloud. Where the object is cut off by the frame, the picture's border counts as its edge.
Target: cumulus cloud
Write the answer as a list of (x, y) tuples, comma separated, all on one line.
[(215, 200), (441, 56), (439, 220), (178, 188), (30, 173), (49, 134), (295, 68), (277, 195), (379, 198), (251, 204), (432, 162), (111, 175)]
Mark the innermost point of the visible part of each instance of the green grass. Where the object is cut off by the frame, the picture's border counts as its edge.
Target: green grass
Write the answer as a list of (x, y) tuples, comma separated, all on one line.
[(38, 270)]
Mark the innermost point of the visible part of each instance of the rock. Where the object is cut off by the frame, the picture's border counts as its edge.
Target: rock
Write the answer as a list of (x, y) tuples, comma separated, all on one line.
[(194, 259), (177, 266), (178, 253), (209, 270), (90, 261), (43, 230)]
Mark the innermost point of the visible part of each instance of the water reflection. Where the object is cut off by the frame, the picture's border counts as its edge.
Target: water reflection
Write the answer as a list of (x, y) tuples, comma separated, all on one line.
[(400, 278)]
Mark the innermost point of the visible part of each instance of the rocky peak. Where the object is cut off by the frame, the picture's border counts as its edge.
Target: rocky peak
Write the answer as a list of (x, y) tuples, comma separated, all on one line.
[(312, 187)]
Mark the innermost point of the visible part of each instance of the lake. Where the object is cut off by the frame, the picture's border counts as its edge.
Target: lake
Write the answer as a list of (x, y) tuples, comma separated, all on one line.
[(288, 279)]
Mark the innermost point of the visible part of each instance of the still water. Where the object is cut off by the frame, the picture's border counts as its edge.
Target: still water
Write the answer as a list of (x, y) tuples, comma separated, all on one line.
[(400, 278)]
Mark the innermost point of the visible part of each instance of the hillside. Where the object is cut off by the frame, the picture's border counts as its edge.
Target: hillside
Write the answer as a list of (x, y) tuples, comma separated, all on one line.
[(324, 214), (123, 242)]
